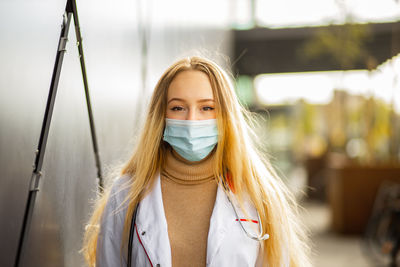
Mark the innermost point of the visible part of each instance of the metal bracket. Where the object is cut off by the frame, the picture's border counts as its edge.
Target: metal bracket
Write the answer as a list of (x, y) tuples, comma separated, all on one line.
[(63, 43), (65, 20), (34, 184)]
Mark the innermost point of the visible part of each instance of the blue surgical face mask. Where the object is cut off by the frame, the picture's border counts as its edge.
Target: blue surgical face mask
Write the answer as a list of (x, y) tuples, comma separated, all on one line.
[(192, 139)]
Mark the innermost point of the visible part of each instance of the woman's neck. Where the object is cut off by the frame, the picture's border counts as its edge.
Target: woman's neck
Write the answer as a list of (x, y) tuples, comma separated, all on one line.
[(182, 171)]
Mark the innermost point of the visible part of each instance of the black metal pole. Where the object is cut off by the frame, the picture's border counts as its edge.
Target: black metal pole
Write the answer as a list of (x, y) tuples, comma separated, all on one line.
[(74, 10), (34, 183), (70, 10)]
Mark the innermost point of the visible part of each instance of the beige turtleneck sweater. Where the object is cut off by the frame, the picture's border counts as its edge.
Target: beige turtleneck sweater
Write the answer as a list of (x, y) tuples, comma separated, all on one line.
[(188, 192)]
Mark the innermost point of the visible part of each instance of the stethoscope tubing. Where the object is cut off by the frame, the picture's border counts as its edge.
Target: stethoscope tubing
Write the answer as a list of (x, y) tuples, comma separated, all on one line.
[(259, 237), (132, 229)]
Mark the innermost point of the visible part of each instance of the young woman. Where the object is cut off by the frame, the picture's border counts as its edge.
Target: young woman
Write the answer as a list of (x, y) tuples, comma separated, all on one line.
[(195, 191)]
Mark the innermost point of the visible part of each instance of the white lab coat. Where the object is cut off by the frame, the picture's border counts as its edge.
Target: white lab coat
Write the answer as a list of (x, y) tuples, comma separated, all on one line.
[(227, 245)]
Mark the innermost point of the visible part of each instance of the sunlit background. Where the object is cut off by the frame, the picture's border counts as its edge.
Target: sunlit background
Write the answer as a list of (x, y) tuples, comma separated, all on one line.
[(322, 78)]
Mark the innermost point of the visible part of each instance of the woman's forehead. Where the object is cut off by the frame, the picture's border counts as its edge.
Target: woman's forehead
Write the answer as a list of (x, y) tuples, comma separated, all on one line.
[(190, 84)]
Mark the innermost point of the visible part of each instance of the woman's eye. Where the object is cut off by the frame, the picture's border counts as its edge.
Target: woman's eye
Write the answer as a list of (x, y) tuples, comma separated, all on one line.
[(208, 108), (177, 108)]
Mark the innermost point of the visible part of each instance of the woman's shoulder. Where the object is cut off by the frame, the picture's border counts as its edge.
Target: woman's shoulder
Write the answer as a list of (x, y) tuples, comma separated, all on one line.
[(119, 191), (120, 183)]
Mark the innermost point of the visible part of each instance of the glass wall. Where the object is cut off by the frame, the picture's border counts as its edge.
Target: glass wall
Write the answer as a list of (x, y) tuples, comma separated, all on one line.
[(127, 45)]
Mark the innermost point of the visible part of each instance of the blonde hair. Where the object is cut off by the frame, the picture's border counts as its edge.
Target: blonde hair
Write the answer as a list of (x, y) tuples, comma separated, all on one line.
[(236, 154)]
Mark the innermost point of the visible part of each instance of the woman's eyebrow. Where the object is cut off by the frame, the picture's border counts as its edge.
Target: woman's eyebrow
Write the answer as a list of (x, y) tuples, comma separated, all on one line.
[(205, 100), (176, 99), (183, 100)]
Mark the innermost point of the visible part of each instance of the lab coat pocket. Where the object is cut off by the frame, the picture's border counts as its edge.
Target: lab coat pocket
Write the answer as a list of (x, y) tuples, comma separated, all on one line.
[(237, 248)]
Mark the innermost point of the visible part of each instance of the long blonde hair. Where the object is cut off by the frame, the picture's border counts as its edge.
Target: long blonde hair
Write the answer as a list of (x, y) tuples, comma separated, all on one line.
[(236, 154)]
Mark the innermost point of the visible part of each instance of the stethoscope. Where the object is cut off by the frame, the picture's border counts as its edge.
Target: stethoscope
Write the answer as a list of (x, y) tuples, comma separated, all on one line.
[(256, 237)]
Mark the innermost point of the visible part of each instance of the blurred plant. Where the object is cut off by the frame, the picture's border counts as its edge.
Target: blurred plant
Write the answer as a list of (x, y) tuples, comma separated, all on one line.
[(308, 131), (378, 134), (342, 45), (353, 125)]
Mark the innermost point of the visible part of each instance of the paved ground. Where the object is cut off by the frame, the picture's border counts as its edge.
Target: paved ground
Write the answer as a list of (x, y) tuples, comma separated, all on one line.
[(331, 250)]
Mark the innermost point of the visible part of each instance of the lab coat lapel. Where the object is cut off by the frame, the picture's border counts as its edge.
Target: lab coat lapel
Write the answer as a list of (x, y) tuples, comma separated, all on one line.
[(152, 226), (222, 219)]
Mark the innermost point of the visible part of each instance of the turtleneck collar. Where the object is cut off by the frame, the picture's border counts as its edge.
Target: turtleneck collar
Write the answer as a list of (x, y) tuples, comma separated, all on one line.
[(182, 171)]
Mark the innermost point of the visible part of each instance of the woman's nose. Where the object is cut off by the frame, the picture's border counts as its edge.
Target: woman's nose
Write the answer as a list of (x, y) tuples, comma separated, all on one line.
[(191, 115)]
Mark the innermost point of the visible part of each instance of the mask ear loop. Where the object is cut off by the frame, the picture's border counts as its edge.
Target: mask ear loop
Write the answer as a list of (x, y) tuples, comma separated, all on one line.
[(258, 237)]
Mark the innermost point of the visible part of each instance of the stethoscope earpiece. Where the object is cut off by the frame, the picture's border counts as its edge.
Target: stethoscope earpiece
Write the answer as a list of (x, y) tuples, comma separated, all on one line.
[(264, 237)]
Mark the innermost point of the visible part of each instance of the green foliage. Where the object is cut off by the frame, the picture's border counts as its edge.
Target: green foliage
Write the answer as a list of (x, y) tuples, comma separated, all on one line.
[(344, 45)]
